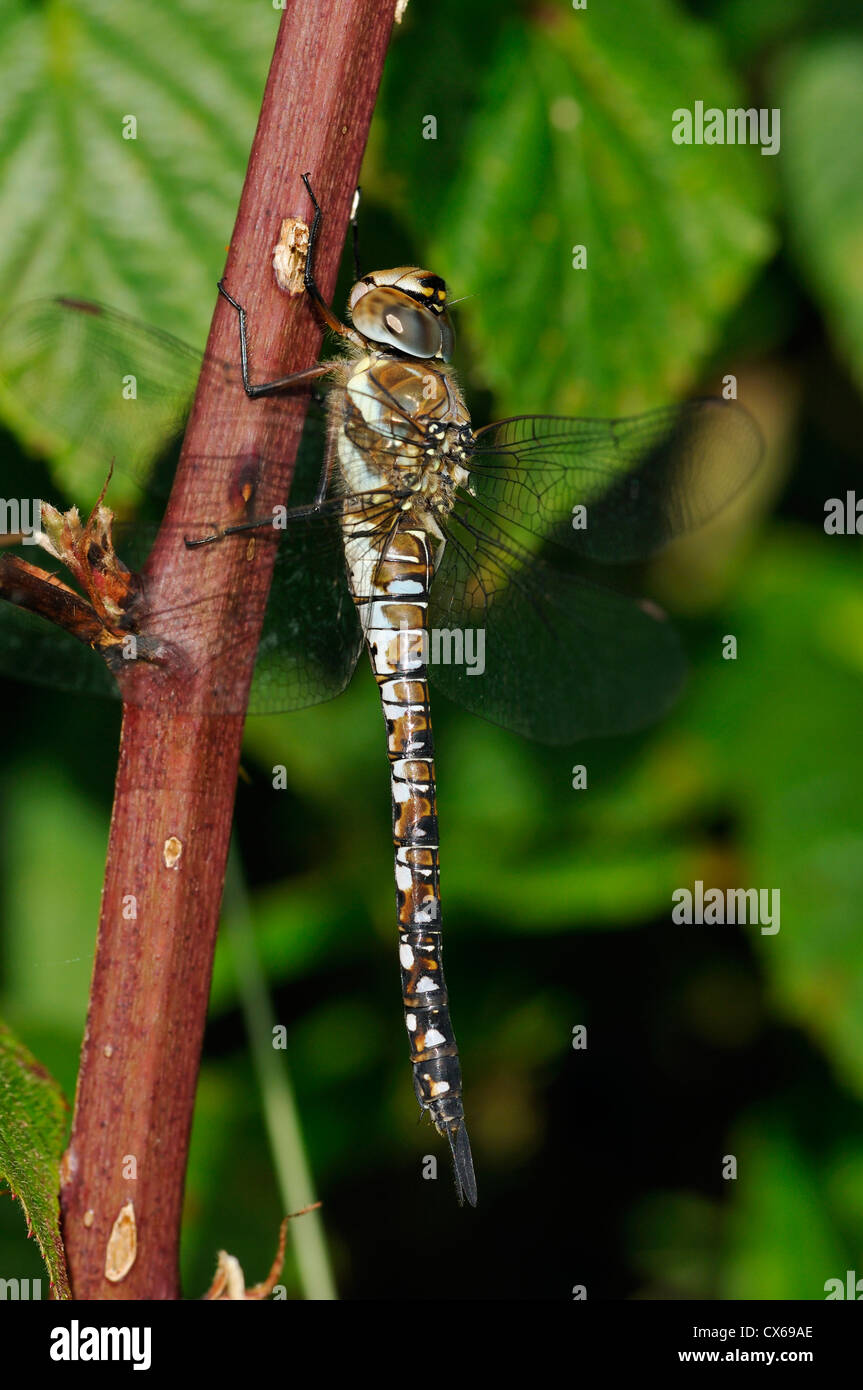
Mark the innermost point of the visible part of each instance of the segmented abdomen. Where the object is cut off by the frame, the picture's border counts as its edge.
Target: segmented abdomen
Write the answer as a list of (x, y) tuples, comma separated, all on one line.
[(390, 580)]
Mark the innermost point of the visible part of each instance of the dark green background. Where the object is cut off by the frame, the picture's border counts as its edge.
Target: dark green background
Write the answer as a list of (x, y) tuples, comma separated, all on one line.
[(601, 1167)]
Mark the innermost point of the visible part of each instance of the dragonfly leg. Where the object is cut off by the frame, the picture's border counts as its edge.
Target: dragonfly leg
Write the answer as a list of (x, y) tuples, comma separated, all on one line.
[(282, 383), (311, 284), (333, 506)]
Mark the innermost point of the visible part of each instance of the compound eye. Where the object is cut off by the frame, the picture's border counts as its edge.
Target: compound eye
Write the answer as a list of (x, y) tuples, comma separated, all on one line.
[(385, 315)]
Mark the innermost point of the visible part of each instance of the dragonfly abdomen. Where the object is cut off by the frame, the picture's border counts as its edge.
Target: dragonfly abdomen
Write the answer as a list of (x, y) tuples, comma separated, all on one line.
[(392, 600)]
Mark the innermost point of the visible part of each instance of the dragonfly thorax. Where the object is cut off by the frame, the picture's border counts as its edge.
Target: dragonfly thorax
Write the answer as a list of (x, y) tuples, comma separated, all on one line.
[(403, 429)]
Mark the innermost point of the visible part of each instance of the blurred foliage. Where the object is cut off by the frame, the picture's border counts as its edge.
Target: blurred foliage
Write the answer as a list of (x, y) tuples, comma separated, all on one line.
[(602, 1166), (821, 97)]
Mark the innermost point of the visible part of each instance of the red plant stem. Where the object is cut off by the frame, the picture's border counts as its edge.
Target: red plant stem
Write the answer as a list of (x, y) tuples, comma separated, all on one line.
[(178, 767)]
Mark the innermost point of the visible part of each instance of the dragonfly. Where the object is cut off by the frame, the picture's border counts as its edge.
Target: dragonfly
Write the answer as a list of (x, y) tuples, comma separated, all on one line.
[(468, 558)]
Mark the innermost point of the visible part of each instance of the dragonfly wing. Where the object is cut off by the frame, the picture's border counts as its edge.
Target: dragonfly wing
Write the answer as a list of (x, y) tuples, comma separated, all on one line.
[(561, 659), (35, 650), (311, 636), (87, 381), (81, 380), (616, 490)]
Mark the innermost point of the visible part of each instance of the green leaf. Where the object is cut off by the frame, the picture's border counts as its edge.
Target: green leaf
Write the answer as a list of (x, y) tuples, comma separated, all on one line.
[(33, 1114), (583, 105), (138, 222), (821, 97)]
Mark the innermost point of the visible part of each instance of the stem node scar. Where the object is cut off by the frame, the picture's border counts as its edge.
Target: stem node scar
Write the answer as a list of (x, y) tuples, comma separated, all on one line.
[(172, 852), (122, 1245), (289, 255)]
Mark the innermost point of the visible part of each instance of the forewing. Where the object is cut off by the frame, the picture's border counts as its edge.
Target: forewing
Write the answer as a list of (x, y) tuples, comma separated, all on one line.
[(91, 383), (640, 481), (88, 382), (97, 385)]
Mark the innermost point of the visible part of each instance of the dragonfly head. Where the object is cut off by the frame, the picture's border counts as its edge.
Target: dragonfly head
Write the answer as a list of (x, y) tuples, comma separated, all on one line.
[(404, 308)]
